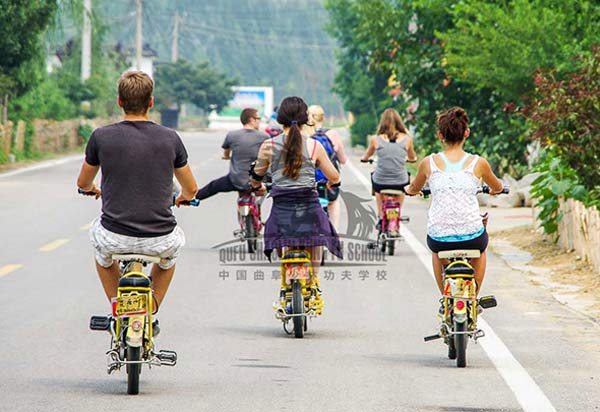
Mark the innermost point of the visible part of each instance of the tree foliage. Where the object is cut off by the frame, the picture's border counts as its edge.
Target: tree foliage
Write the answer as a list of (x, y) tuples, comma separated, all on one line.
[(498, 45), (22, 53), (361, 88), (183, 82), (472, 53), (565, 115), (60, 94), (556, 180)]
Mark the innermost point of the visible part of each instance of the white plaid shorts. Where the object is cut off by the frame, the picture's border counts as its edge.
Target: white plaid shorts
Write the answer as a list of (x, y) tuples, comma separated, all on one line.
[(107, 243)]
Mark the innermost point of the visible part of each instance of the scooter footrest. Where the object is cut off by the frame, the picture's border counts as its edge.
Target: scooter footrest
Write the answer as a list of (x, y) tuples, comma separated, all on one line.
[(432, 337), (487, 302), (167, 357), (100, 323)]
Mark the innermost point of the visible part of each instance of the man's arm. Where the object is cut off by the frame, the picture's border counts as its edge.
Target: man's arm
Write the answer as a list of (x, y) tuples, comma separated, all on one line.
[(226, 147), (186, 179), (85, 181)]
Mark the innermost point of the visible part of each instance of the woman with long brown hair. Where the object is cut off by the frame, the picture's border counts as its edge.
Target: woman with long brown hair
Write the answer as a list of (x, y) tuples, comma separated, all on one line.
[(394, 147), (296, 219)]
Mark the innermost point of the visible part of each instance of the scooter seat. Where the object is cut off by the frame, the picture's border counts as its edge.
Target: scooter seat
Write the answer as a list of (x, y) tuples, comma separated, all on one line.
[(296, 255), (459, 270), (134, 282)]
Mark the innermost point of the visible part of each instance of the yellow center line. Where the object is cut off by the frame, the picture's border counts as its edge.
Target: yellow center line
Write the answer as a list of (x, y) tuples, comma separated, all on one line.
[(6, 269), (54, 245), (86, 227)]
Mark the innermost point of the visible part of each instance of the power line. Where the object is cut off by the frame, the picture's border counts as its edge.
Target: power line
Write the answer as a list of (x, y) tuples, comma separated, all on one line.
[(291, 42)]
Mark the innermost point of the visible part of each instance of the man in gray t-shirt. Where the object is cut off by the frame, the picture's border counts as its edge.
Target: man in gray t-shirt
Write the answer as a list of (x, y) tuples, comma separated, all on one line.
[(241, 147)]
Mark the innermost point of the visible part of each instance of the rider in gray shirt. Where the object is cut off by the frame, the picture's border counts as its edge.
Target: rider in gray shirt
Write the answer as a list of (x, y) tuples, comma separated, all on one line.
[(244, 144)]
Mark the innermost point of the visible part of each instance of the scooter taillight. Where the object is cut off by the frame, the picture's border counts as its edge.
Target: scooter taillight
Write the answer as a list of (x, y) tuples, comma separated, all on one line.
[(136, 325)]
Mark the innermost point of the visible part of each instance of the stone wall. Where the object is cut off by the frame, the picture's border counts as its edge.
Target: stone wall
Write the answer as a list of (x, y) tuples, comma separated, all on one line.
[(5, 139), (579, 231), (51, 136)]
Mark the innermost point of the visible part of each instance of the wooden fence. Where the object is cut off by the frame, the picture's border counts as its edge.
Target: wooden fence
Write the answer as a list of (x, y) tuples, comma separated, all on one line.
[(579, 231)]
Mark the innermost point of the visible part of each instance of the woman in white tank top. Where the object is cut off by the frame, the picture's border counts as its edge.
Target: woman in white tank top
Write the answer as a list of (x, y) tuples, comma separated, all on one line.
[(454, 176)]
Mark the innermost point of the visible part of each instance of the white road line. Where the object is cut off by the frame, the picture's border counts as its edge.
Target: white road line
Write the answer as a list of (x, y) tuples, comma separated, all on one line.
[(6, 269), (42, 165), (54, 245), (527, 392)]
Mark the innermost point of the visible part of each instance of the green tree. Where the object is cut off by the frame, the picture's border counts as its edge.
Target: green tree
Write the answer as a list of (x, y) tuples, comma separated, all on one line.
[(444, 53), (182, 82), (565, 115), (23, 56), (499, 45), (361, 86)]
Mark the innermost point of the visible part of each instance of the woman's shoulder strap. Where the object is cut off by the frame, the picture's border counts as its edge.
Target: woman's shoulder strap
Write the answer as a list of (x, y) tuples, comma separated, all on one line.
[(471, 166), (432, 164)]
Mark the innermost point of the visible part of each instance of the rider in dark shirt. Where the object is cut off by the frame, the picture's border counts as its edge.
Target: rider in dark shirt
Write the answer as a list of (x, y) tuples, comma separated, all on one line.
[(138, 159), (241, 147)]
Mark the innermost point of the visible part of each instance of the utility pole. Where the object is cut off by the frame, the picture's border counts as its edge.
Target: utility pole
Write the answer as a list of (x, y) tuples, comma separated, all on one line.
[(139, 36), (174, 48), (86, 41)]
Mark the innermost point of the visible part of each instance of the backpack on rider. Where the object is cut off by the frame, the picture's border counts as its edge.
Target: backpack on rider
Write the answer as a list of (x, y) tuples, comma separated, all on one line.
[(321, 136)]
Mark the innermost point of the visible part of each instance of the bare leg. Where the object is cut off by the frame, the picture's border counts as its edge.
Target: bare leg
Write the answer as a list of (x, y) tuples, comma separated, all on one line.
[(479, 265), (110, 279), (379, 204), (161, 279), (400, 199), (438, 267), (334, 213), (315, 254)]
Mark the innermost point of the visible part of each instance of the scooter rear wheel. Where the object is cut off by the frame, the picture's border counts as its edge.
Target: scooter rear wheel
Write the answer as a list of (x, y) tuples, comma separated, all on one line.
[(460, 342), (451, 349), (250, 233), (298, 309), (391, 246), (133, 370)]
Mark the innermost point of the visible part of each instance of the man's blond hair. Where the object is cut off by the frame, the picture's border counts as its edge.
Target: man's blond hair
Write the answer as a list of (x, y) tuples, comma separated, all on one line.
[(135, 92)]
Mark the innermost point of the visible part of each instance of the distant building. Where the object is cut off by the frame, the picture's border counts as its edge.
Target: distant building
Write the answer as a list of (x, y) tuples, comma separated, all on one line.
[(147, 63), (53, 63)]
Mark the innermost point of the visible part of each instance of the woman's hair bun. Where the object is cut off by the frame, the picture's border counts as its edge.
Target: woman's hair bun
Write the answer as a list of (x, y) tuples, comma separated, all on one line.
[(456, 113)]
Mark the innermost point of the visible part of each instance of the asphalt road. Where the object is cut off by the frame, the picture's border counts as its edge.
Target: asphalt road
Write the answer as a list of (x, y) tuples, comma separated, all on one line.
[(366, 353)]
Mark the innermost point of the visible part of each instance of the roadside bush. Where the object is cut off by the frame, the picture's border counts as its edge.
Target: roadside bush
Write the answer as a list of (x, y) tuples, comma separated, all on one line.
[(566, 116), (85, 131), (45, 101), (557, 180)]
